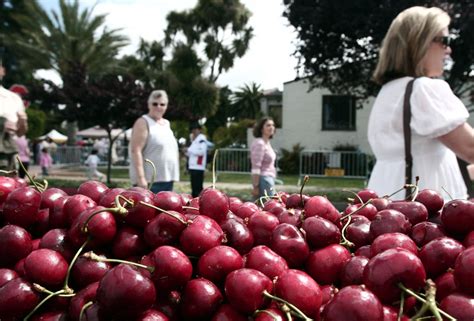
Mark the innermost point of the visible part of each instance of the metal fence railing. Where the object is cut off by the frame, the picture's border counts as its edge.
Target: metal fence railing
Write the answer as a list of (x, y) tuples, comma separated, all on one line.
[(334, 163), (237, 160)]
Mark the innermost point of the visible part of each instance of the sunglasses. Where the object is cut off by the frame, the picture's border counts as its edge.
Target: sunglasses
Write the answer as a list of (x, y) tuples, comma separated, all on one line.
[(158, 104), (444, 40)]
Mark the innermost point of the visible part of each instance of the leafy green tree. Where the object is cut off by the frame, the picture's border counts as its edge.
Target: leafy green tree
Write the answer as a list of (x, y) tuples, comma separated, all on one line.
[(219, 26), (339, 41), (224, 112), (74, 43), (246, 101), (36, 122), (17, 70)]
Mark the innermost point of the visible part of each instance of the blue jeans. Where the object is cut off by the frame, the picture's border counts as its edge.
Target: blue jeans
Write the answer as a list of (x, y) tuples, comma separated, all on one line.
[(267, 184), (161, 186)]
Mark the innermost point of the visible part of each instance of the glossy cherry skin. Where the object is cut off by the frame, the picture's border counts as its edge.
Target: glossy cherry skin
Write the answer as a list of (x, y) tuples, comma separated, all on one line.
[(445, 285), (75, 205), (50, 316), (21, 207), (15, 244), (173, 269), (200, 299), (139, 215), (201, 235), (49, 196), (227, 313), (164, 229), (218, 262), (386, 270), (368, 210), (353, 303), (325, 264), (125, 291), (251, 282), (46, 267), (459, 306), (358, 231), (86, 271), (109, 196), (432, 200), (246, 210), (353, 272), (214, 204), (424, 232), (93, 189), (458, 217), (391, 240), (128, 243), (269, 314), (234, 203), (391, 314), (238, 235), (321, 206), (416, 212), (56, 239), (152, 315), (82, 297), (261, 226), (289, 242), (389, 221), (463, 271), (299, 289), (169, 201), (17, 299), (265, 260), (439, 255), (364, 195), (7, 275), (7, 185), (320, 232)]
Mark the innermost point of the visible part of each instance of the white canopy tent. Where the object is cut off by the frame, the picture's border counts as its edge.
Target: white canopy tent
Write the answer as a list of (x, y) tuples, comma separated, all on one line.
[(96, 132), (55, 136)]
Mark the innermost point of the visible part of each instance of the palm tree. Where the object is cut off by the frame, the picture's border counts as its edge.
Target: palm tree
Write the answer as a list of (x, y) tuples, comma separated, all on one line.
[(73, 42), (246, 101)]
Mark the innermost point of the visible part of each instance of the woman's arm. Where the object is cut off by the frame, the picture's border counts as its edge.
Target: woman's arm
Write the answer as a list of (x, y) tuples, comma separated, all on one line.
[(461, 142), (257, 151), (137, 143)]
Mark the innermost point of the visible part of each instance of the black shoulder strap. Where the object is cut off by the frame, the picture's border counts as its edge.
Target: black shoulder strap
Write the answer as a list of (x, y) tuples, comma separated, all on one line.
[(407, 134), (408, 157)]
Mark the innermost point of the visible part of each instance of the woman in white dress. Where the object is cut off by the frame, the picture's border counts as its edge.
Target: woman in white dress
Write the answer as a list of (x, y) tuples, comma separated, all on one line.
[(415, 46)]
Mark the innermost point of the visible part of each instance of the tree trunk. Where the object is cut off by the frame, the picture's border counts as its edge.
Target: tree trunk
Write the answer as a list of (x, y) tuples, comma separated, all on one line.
[(71, 132)]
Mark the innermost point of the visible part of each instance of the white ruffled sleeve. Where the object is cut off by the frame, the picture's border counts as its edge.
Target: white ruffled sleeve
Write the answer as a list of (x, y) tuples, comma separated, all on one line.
[(435, 109)]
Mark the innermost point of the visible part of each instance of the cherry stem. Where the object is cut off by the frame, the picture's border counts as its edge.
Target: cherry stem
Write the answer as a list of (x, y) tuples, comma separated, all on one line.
[(450, 196), (399, 190), (270, 313), (120, 210), (357, 210), (291, 306), (42, 289), (305, 180), (402, 303), (91, 255), (43, 302), (355, 194), (191, 208), (345, 241), (32, 181), (166, 212), (430, 301), (84, 308), (214, 175), (153, 173), (73, 261)]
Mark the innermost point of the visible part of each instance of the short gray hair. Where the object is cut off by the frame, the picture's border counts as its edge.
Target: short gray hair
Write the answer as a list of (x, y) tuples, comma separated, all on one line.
[(155, 94)]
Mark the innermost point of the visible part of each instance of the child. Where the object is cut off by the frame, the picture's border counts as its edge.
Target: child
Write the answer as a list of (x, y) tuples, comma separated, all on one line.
[(92, 162), (45, 161)]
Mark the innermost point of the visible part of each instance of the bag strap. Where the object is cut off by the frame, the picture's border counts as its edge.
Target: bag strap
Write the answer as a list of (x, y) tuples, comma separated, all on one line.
[(407, 134), (408, 157), (465, 175)]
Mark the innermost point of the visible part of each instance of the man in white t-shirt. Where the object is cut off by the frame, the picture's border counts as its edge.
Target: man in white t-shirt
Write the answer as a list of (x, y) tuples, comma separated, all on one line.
[(13, 121)]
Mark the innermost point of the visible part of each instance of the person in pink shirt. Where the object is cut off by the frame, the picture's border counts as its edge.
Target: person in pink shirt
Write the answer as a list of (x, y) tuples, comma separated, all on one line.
[(23, 154), (45, 161), (263, 158)]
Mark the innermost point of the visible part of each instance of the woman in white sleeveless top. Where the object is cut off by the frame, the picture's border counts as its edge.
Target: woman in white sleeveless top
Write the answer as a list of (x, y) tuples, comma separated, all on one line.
[(153, 139)]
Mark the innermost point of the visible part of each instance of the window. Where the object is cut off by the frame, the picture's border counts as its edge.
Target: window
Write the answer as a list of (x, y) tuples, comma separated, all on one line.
[(339, 113)]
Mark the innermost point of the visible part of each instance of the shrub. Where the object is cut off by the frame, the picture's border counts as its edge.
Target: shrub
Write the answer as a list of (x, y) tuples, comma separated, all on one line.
[(290, 160)]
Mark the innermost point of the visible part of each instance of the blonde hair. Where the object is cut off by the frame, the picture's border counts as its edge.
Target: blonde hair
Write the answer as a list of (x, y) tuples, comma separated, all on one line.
[(407, 41), (155, 94)]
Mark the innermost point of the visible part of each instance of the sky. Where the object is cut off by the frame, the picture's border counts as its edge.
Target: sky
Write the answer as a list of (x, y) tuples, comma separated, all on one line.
[(268, 62)]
